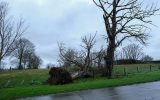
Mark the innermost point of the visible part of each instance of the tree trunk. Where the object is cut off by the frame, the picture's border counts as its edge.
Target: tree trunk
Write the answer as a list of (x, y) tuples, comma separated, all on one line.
[(1, 64), (20, 64), (87, 61), (1, 67), (109, 59)]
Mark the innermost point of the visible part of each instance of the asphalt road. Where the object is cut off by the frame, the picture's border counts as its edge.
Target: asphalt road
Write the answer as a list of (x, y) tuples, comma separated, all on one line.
[(146, 91)]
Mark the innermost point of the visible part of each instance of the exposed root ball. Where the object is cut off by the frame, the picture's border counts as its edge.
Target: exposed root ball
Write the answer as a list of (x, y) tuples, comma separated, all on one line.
[(59, 76)]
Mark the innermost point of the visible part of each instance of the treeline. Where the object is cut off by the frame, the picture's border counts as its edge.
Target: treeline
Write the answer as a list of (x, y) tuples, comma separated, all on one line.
[(87, 58), (12, 43)]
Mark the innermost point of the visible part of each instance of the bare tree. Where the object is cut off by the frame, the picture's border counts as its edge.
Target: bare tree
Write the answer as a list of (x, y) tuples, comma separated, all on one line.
[(3, 64), (22, 46), (88, 44), (147, 58), (132, 51), (26, 58), (99, 55), (50, 65), (82, 58), (117, 56), (124, 19), (99, 59), (9, 32), (29, 60), (70, 56), (34, 61), (14, 62)]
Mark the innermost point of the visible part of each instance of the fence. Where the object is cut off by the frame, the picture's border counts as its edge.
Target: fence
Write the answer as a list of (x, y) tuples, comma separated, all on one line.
[(125, 70)]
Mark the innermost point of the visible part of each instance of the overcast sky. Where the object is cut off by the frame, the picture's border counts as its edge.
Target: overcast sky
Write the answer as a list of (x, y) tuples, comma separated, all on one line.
[(52, 21)]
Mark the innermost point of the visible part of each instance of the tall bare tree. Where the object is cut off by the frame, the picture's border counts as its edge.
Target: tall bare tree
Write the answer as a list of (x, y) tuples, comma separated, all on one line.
[(9, 32), (124, 19), (132, 51)]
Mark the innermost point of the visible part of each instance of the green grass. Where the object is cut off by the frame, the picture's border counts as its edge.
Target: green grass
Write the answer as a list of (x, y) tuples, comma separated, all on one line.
[(18, 92), (26, 83), (22, 78), (135, 68)]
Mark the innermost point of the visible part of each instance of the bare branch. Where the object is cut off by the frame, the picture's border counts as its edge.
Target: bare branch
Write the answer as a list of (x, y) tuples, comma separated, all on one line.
[(9, 32), (127, 19)]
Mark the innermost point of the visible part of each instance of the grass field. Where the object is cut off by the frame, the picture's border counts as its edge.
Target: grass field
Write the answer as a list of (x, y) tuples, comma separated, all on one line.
[(135, 68), (26, 83), (23, 78)]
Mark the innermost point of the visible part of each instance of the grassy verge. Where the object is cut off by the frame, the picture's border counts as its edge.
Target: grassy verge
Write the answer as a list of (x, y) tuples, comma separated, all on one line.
[(19, 92)]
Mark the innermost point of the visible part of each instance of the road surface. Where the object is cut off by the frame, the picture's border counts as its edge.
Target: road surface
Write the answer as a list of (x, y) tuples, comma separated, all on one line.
[(146, 91)]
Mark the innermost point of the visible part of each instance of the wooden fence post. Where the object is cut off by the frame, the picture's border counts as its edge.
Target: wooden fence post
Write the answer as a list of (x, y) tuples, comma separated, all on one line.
[(159, 67), (125, 73), (137, 69), (150, 68)]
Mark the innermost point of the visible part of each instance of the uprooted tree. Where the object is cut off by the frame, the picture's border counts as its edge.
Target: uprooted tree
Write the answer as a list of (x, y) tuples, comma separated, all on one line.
[(124, 19), (81, 59)]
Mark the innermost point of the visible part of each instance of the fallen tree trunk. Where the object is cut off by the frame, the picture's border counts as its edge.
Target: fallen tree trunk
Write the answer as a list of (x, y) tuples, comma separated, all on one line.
[(82, 74)]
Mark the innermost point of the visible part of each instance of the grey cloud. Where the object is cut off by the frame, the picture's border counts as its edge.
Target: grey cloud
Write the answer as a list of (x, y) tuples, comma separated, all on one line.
[(53, 21)]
